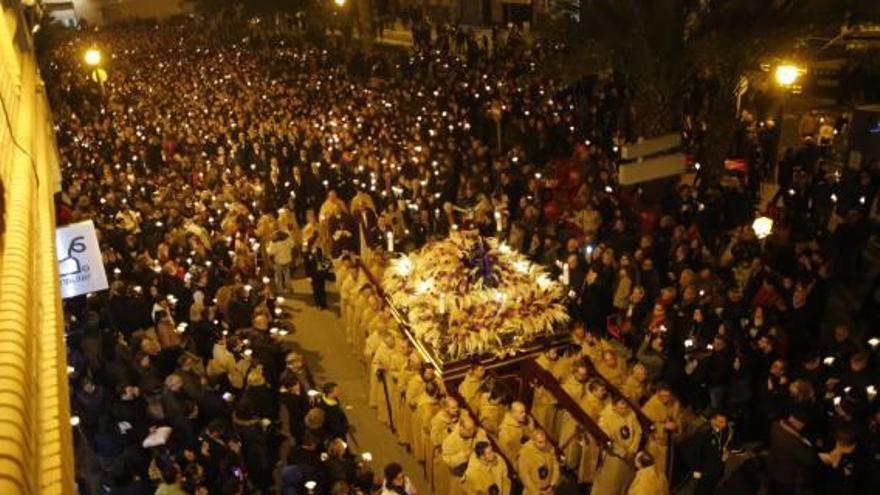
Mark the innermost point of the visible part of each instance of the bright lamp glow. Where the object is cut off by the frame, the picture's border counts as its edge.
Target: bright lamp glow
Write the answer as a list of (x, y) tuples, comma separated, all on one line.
[(787, 74), (762, 226), (340, 3), (93, 57)]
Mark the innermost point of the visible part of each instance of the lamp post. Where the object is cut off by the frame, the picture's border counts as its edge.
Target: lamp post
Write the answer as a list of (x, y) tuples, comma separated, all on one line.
[(785, 75), (93, 59)]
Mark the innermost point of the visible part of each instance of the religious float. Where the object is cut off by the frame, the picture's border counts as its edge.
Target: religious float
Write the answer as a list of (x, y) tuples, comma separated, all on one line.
[(469, 296)]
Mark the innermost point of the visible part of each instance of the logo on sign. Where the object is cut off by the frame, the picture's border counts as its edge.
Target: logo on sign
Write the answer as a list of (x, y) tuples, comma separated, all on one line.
[(72, 265), (80, 266)]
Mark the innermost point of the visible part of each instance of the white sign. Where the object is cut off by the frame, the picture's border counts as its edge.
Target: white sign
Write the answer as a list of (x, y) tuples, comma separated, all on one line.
[(645, 147), (651, 169), (79, 260)]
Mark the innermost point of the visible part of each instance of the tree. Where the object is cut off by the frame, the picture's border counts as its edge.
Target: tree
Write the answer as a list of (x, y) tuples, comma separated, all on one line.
[(663, 46)]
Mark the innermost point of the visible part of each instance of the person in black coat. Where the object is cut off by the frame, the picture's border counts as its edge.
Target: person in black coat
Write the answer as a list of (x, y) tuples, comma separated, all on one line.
[(317, 267), (792, 458), (179, 410), (870, 444), (595, 302), (241, 309), (255, 444), (335, 422), (308, 192), (220, 453), (307, 457), (259, 394), (293, 405), (341, 464), (845, 471), (343, 230), (131, 408), (716, 370), (710, 454), (266, 350)]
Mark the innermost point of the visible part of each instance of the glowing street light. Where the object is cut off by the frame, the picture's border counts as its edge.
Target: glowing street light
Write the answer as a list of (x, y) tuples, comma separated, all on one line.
[(787, 74), (92, 57), (762, 226)]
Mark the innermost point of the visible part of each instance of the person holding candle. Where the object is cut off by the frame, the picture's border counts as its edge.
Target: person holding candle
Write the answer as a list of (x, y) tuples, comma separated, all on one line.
[(318, 270)]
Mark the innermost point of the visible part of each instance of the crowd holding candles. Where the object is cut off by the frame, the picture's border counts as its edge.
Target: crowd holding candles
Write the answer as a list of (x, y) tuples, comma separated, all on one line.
[(216, 165)]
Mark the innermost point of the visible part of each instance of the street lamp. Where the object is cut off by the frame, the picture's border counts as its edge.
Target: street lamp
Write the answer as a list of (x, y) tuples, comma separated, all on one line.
[(787, 74), (93, 57)]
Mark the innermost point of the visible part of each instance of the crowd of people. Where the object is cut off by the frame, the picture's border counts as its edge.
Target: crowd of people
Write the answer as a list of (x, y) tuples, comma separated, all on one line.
[(216, 164)]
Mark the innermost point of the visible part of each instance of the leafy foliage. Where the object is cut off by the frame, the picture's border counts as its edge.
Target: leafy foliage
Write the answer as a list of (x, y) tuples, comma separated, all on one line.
[(467, 295), (248, 7), (662, 45)]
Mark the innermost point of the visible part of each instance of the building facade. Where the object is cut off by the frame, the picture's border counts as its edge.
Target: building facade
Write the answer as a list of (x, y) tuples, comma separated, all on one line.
[(477, 12), (35, 427), (97, 12)]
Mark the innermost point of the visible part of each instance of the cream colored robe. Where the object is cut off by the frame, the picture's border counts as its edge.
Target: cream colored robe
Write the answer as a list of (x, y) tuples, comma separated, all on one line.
[(491, 415), (382, 359), (593, 406), (413, 390), (397, 372), (543, 403), (615, 473), (649, 481), (371, 335), (614, 374), (426, 408), (469, 389), (481, 475), (568, 436), (456, 451), (634, 390), (529, 464), (511, 434), (441, 426), (659, 414)]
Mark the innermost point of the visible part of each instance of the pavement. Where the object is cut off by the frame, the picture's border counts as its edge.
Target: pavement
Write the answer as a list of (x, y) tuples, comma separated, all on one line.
[(320, 337)]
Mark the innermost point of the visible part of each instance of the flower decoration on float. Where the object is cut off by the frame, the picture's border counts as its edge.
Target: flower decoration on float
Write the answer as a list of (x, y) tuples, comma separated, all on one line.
[(469, 295)]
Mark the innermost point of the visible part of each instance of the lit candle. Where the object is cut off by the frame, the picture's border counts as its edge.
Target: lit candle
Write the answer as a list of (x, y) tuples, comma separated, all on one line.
[(390, 239), (498, 225), (565, 274)]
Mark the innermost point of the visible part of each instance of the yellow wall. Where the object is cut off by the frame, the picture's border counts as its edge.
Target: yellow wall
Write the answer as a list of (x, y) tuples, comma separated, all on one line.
[(35, 434)]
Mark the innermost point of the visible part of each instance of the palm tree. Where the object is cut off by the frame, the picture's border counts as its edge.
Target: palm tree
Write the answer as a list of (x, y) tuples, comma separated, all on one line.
[(662, 46)]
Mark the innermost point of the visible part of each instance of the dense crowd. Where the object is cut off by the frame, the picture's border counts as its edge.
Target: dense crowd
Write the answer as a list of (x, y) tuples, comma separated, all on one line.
[(217, 164)]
